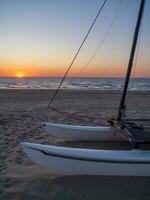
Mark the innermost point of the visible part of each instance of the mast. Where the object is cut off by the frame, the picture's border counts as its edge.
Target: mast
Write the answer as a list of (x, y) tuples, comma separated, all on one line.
[(131, 58)]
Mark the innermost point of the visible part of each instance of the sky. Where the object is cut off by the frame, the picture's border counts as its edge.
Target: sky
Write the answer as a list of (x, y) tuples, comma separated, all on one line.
[(40, 38)]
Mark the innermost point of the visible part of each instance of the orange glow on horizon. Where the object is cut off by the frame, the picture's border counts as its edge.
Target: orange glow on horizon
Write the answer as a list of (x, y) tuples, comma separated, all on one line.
[(97, 70)]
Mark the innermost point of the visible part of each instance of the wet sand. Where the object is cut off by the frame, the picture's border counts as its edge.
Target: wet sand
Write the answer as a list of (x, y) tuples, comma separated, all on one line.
[(21, 112)]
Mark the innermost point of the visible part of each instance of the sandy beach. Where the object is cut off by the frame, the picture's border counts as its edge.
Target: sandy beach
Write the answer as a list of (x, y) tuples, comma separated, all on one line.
[(21, 114)]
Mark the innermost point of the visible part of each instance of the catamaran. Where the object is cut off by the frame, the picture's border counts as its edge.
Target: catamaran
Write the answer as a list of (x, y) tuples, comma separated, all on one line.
[(133, 162)]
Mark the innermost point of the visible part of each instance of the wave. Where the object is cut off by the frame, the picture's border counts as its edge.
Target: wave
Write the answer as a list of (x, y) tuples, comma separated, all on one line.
[(74, 83)]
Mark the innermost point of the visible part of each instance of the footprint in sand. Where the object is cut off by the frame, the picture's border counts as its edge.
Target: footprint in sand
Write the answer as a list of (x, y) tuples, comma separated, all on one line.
[(2, 194), (18, 160), (5, 183), (2, 168)]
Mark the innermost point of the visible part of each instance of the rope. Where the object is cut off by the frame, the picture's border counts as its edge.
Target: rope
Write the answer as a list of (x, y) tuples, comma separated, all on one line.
[(74, 58), (103, 39), (77, 117)]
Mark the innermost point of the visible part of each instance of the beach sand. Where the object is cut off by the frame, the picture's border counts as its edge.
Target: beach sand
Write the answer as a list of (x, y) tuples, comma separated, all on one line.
[(21, 112)]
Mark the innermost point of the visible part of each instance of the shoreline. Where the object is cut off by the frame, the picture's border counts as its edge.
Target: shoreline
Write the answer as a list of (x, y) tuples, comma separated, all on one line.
[(74, 90)]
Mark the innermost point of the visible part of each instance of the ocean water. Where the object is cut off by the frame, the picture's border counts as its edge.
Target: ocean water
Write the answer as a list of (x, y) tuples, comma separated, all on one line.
[(140, 84)]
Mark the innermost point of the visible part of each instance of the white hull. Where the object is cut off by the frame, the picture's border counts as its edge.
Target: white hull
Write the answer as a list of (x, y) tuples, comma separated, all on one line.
[(89, 161), (87, 133)]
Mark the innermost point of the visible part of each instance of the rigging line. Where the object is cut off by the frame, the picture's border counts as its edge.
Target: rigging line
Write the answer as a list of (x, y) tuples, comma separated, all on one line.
[(74, 58), (103, 39), (77, 117)]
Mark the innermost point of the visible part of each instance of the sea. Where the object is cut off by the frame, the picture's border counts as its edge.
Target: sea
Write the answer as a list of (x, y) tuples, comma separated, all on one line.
[(139, 84)]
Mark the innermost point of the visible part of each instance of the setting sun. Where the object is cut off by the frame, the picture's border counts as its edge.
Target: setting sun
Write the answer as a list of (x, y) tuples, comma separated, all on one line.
[(19, 75)]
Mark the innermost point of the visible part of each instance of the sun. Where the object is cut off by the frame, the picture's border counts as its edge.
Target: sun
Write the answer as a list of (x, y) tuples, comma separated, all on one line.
[(19, 74)]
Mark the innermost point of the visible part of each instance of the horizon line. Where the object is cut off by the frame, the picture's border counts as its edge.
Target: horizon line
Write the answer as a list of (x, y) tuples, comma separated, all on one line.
[(72, 77)]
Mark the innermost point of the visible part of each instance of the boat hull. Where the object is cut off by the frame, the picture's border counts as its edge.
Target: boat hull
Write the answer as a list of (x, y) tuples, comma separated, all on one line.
[(90, 162), (86, 133)]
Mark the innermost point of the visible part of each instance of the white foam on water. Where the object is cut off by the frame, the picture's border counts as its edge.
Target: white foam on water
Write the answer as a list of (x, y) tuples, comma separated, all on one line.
[(140, 84)]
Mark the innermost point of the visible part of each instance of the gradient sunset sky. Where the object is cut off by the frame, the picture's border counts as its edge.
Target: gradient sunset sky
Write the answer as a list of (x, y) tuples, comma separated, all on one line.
[(40, 37)]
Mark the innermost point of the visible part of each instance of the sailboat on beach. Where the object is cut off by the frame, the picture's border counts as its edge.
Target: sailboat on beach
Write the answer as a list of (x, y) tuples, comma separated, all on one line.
[(134, 162)]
